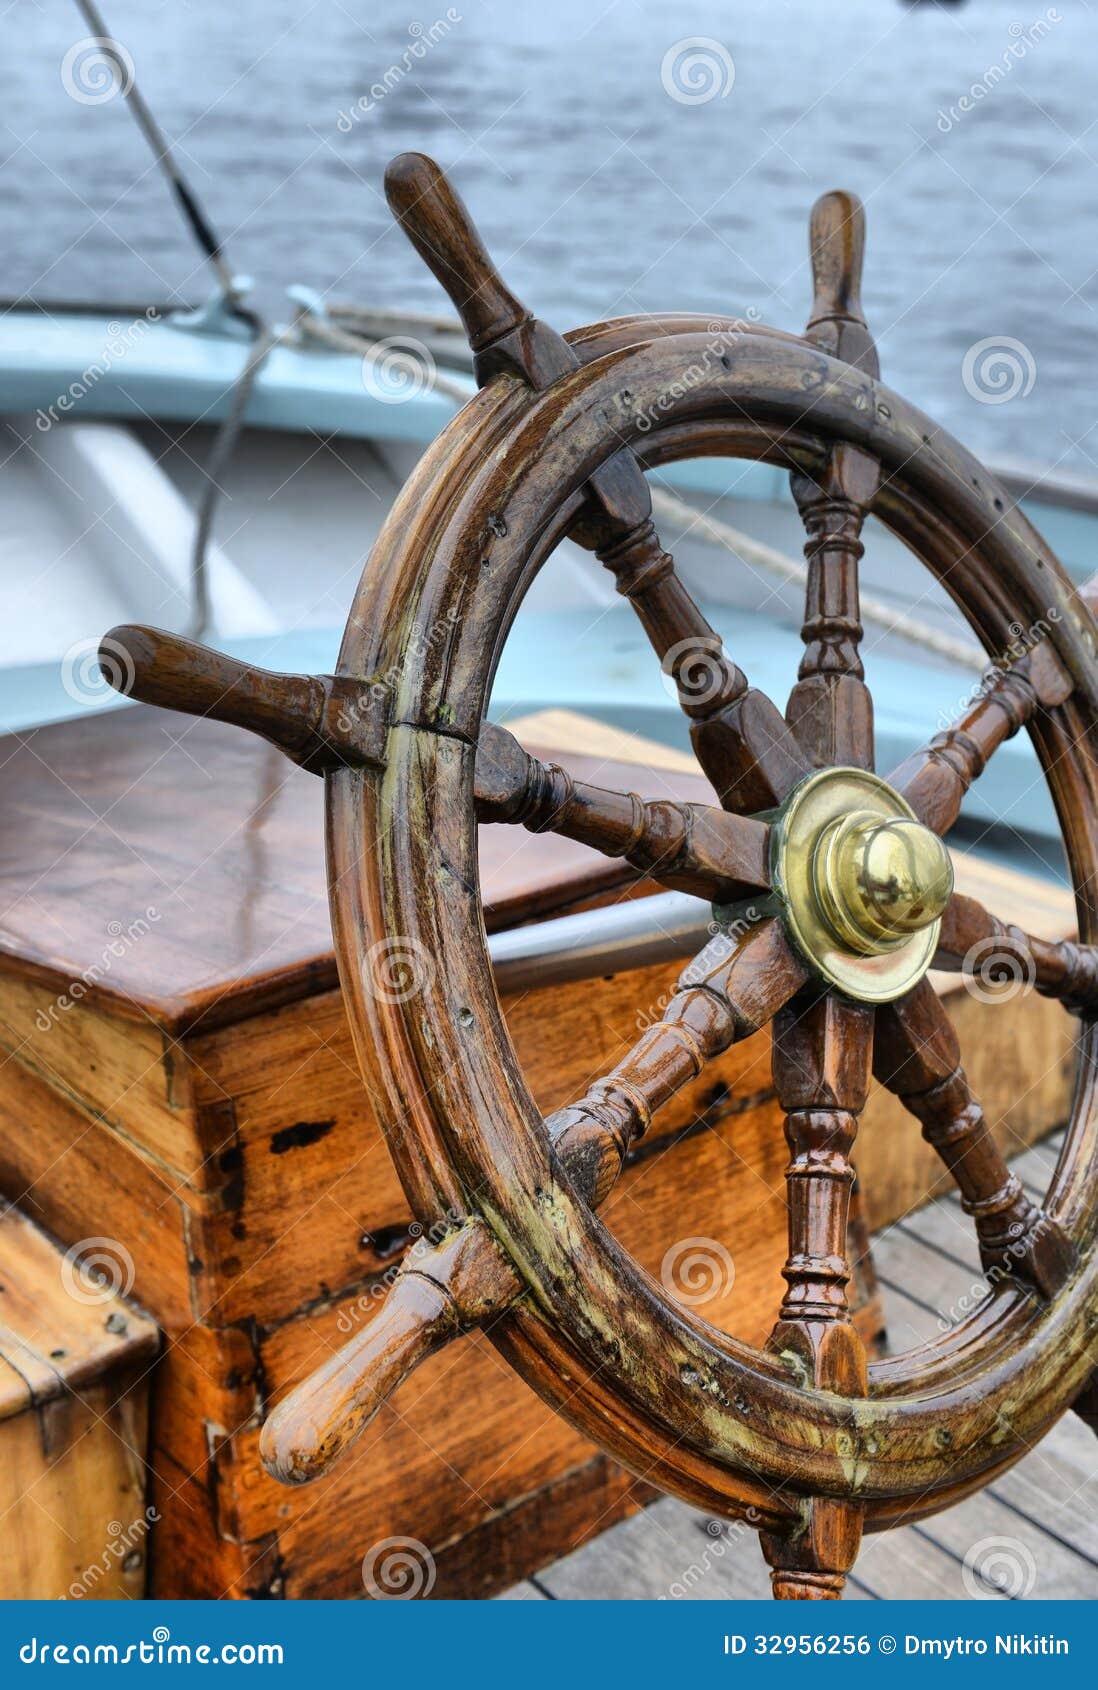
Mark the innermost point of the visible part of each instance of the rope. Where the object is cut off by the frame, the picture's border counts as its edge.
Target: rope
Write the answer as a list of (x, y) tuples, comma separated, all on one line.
[(874, 610), (329, 333), (668, 505), (221, 451)]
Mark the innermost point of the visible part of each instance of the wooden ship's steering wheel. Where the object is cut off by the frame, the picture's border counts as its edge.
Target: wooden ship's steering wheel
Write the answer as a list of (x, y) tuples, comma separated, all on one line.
[(851, 885)]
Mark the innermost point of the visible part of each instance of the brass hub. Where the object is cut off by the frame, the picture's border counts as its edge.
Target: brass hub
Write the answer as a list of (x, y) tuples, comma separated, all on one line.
[(862, 882)]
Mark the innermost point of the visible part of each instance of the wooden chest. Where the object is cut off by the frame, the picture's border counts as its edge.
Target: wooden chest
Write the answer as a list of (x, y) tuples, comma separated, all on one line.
[(75, 1362), (182, 1081)]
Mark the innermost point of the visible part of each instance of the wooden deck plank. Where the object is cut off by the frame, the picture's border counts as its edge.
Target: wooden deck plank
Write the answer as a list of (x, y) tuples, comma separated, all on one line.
[(668, 1552), (906, 1565), (1006, 1550)]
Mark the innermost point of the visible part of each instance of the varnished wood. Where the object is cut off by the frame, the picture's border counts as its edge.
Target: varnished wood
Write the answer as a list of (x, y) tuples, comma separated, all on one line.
[(692, 847), (739, 736), (822, 1058), (448, 1286), (993, 952), (917, 1056), (113, 807), (315, 720), (407, 899), (830, 708), (935, 780)]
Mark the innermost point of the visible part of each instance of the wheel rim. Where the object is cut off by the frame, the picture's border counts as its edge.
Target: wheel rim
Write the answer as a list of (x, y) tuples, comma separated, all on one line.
[(1007, 1370)]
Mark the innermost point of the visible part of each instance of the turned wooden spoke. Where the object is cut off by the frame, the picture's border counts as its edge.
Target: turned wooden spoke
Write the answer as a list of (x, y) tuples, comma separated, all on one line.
[(463, 1280), (935, 780), (691, 847), (734, 986), (976, 943), (917, 1056), (830, 708), (822, 1052), (739, 736)]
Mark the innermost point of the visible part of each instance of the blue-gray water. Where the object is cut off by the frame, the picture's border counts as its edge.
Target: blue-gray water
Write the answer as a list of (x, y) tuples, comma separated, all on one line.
[(600, 188)]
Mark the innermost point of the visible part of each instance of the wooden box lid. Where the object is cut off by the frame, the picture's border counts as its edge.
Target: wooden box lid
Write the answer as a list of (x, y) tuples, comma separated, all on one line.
[(174, 870)]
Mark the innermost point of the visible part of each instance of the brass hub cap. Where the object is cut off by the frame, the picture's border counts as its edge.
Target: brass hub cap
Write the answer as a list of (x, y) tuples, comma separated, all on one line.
[(862, 883)]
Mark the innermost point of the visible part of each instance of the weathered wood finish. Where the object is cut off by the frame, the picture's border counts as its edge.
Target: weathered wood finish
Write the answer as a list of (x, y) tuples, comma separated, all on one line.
[(75, 1361), (802, 1433)]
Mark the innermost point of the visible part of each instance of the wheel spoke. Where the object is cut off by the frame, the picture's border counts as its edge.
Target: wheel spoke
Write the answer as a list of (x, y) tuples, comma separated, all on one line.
[(731, 988), (935, 780), (822, 1049), (691, 847), (917, 1056), (830, 708), (739, 737), (977, 944)]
